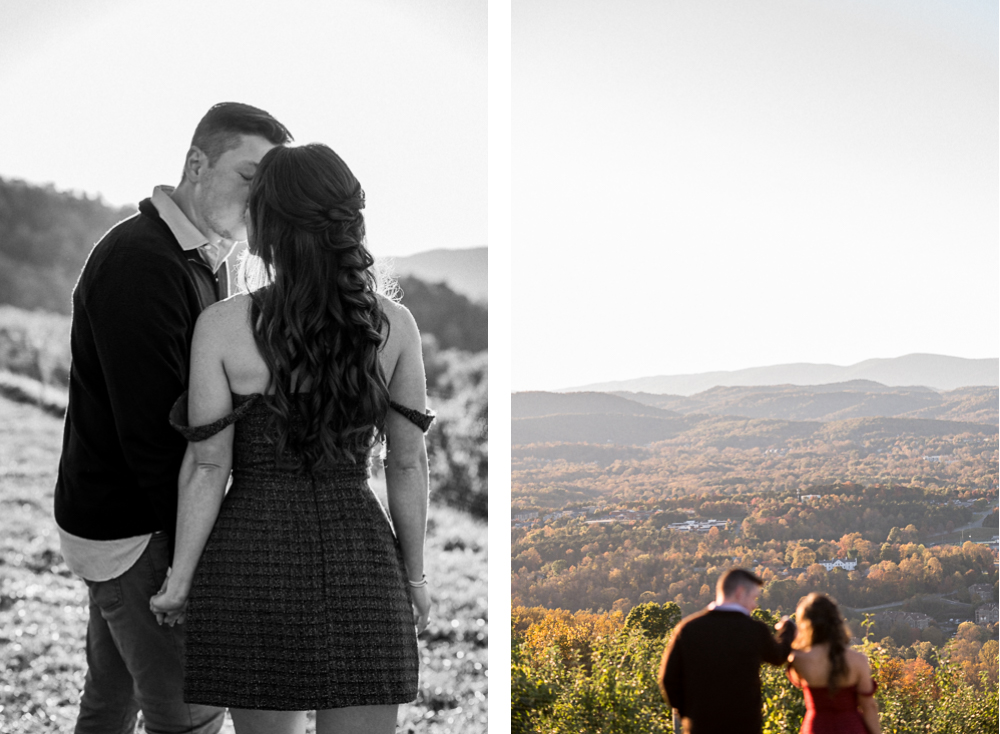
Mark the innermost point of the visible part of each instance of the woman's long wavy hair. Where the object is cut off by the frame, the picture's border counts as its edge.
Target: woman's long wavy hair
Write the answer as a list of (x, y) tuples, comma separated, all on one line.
[(818, 620), (315, 313)]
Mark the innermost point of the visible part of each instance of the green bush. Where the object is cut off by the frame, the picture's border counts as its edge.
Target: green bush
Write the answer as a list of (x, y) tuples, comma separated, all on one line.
[(619, 695), (652, 619), (615, 691)]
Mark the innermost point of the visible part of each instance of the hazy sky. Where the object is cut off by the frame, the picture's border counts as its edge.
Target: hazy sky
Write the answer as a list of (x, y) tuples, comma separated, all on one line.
[(719, 184), (102, 96)]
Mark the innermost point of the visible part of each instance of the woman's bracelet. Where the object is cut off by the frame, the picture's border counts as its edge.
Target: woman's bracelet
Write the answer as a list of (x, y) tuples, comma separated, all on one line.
[(418, 584)]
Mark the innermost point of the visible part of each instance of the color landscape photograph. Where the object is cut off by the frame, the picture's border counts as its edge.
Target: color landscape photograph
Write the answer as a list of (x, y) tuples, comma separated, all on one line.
[(754, 325)]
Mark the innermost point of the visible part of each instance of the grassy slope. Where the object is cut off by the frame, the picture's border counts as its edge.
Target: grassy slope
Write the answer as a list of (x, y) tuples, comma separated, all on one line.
[(43, 611)]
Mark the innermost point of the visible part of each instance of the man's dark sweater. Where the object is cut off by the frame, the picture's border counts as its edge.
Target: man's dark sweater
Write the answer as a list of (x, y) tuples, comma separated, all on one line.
[(710, 670), (134, 310)]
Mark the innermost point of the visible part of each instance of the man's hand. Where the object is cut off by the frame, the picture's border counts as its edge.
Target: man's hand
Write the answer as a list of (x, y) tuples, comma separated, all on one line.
[(785, 628)]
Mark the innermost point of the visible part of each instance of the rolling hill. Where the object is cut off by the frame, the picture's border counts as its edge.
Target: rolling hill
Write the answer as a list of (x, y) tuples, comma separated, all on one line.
[(751, 417), (464, 271), (839, 401), (536, 404), (931, 370)]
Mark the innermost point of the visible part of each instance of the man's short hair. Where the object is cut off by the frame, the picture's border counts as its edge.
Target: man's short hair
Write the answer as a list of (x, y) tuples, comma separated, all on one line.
[(221, 127), (734, 578)]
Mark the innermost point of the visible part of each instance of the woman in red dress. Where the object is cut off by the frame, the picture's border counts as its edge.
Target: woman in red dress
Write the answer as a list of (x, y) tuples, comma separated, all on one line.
[(836, 680)]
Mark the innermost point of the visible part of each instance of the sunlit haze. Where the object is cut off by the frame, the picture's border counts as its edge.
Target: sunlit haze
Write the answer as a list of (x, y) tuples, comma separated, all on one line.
[(102, 96), (722, 184)]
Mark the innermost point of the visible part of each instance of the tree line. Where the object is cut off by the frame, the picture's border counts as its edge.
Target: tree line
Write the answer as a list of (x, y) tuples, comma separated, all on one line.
[(573, 672), (555, 475)]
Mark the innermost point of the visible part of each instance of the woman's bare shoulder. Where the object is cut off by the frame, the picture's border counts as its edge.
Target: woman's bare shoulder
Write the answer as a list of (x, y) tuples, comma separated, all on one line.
[(402, 325), (224, 324), (857, 659), (808, 653), (394, 310), (225, 311)]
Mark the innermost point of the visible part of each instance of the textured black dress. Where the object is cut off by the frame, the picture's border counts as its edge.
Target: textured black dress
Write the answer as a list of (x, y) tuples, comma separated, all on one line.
[(300, 600)]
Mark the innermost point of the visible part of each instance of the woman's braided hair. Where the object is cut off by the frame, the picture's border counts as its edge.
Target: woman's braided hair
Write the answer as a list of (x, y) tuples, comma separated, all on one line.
[(316, 317), (818, 620)]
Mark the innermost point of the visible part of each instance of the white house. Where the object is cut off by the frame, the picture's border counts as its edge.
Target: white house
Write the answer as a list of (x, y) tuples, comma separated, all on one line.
[(846, 565), (697, 526)]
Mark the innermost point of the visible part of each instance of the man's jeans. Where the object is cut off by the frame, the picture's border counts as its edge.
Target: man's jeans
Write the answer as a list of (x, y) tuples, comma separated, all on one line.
[(134, 663)]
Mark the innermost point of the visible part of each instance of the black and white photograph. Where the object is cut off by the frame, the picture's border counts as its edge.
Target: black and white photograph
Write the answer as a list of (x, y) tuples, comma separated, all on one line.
[(243, 367)]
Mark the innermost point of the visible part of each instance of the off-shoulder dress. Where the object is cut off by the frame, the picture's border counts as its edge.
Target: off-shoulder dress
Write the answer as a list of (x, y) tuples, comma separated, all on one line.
[(300, 600), (836, 714)]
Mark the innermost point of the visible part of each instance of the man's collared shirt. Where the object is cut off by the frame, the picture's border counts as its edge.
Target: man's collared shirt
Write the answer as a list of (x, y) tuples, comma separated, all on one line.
[(188, 236), (728, 608)]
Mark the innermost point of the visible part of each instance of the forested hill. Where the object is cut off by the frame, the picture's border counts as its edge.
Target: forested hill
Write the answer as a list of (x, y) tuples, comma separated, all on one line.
[(747, 417), (536, 404), (454, 320), (45, 237), (837, 401), (464, 271)]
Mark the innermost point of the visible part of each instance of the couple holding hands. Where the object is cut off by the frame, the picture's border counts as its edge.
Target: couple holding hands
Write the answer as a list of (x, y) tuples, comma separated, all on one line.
[(213, 485)]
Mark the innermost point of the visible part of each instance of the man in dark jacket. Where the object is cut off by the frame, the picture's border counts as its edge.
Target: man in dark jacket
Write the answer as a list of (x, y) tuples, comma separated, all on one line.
[(710, 671), (134, 309)]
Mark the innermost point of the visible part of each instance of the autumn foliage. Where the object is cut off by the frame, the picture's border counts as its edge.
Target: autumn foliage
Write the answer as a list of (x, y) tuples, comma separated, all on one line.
[(563, 683)]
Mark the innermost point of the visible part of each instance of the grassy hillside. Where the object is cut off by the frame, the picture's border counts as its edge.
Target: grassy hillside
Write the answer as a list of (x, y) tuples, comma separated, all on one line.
[(43, 607)]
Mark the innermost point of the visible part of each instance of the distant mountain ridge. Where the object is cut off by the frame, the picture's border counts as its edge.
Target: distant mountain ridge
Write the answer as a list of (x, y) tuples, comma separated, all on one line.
[(935, 371), (464, 271), (751, 416), (538, 404), (838, 401)]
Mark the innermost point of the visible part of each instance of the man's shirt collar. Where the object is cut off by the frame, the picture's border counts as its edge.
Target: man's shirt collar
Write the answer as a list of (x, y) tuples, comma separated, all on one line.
[(728, 608), (188, 236)]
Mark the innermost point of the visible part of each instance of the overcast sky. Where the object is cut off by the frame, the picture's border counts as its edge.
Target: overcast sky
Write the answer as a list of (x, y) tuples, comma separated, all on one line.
[(720, 184), (102, 96)]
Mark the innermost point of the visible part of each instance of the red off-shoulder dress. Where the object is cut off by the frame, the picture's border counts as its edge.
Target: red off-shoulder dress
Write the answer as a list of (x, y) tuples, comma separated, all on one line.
[(837, 714)]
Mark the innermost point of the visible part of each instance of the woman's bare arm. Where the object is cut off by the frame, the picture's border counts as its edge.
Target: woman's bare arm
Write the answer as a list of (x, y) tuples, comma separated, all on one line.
[(206, 466), (866, 703), (406, 477), (793, 672)]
